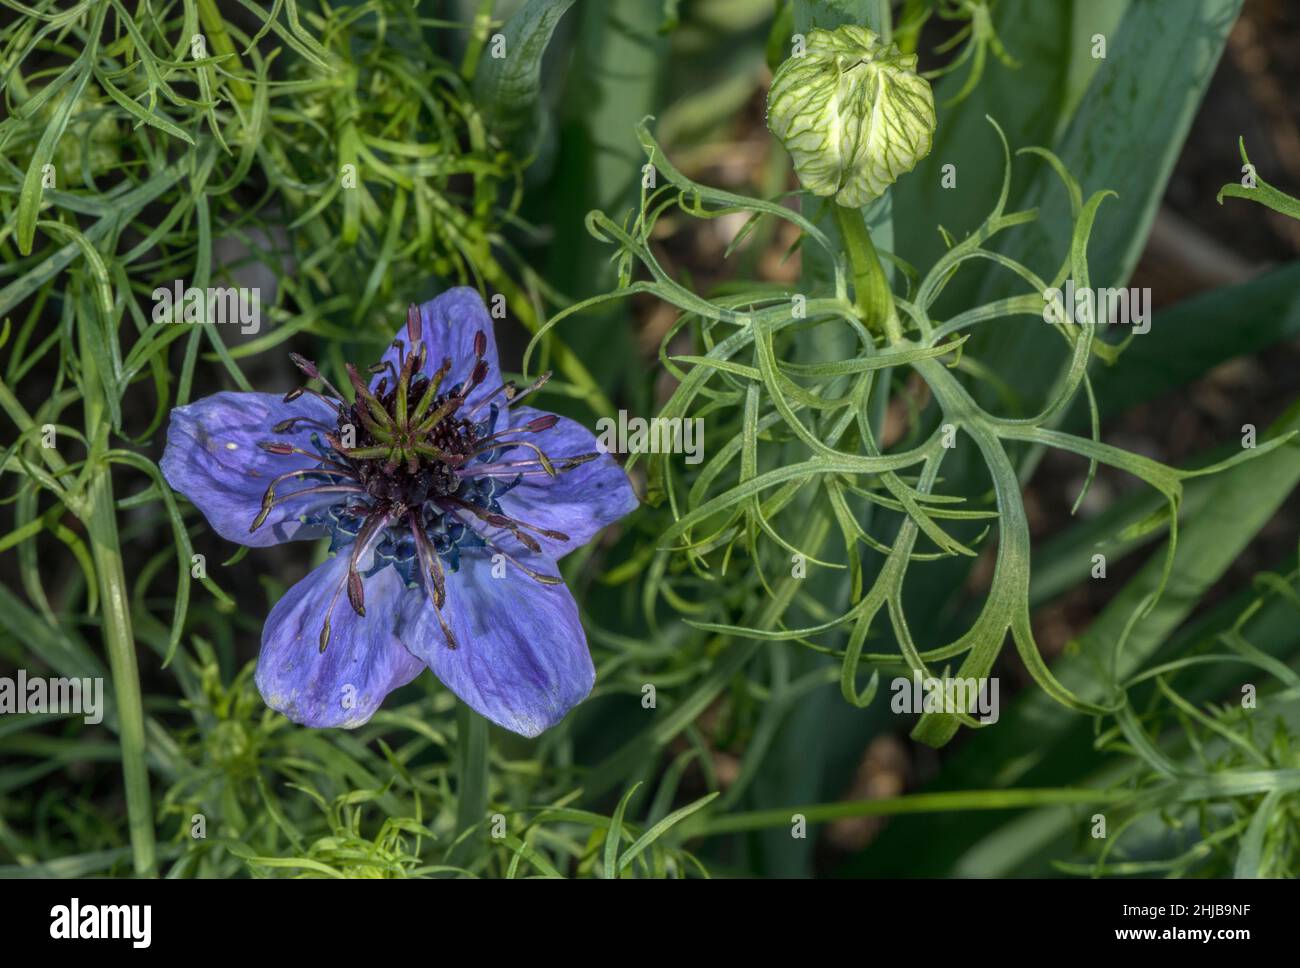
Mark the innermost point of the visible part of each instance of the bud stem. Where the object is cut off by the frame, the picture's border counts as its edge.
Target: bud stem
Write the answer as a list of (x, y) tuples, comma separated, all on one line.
[(874, 301)]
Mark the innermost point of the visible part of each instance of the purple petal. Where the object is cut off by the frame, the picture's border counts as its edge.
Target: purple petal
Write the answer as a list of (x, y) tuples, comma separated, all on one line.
[(363, 662), (449, 324), (213, 459), (521, 658), (577, 502)]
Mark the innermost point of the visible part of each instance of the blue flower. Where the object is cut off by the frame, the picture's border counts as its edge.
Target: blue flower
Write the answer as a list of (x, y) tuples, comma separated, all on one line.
[(447, 503)]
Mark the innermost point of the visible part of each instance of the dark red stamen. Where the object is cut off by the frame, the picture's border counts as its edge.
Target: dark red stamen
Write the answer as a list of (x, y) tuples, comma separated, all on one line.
[(410, 461)]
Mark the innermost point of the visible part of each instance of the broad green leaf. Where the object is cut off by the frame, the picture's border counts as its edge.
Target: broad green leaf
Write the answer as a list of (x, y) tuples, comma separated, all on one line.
[(1032, 103), (508, 83), (1156, 69)]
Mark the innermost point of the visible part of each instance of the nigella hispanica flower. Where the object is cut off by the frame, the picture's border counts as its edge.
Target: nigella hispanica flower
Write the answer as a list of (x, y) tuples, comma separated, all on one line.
[(446, 503)]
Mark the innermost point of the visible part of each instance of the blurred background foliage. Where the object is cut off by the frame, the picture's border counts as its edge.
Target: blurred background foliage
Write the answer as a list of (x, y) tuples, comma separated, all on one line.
[(226, 165)]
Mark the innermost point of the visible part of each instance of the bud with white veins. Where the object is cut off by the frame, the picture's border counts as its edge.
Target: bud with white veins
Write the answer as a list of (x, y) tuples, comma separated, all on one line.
[(853, 113)]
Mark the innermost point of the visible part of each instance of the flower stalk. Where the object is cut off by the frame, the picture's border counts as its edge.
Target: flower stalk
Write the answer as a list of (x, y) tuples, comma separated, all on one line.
[(215, 27), (472, 768), (101, 525), (871, 294)]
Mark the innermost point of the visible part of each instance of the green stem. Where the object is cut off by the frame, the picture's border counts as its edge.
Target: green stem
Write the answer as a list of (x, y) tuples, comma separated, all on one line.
[(874, 301), (98, 513), (101, 526), (912, 13), (478, 36), (956, 800), (472, 769), (215, 27), (116, 619)]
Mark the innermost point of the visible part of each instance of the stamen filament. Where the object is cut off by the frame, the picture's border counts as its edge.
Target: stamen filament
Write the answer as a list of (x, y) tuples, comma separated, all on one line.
[(312, 373), (432, 578), (542, 458), (531, 573), (269, 499)]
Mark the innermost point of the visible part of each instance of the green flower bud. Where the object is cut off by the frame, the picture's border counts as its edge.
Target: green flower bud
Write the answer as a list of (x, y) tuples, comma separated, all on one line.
[(852, 112)]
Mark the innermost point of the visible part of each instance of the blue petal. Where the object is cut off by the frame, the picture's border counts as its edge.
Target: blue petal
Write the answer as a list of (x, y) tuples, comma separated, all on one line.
[(521, 658), (363, 663), (448, 326), (213, 459), (578, 502)]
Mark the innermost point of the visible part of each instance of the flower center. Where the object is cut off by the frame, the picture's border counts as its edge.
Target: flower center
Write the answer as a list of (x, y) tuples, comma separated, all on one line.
[(408, 473), (418, 472)]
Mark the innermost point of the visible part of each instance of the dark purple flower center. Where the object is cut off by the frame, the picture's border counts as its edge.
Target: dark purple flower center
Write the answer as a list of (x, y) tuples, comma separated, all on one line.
[(418, 471), (411, 480)]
